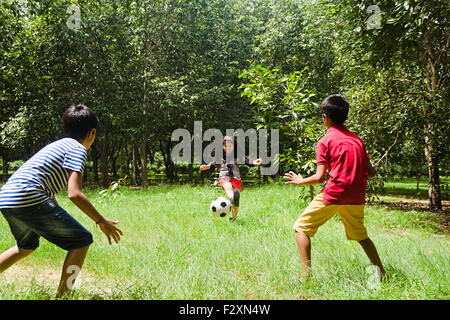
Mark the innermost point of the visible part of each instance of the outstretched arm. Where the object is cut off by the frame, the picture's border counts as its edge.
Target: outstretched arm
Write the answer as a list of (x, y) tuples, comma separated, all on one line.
[(77, 196), (316, 178), (207, 166), (256, 162), (213, 164)]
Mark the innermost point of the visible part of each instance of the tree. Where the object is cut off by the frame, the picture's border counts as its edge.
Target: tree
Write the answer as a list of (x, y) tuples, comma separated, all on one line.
[(404, 62), (283, 102)]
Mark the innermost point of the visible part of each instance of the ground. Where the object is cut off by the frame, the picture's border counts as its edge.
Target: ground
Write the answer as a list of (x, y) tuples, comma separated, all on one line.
[(173, 248)]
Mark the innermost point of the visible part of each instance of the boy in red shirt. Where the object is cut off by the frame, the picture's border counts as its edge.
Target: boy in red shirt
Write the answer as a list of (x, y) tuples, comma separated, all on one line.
[(349, 167)]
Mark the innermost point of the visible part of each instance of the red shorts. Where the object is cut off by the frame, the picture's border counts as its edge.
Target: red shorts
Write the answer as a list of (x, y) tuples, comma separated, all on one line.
[(236, 183)]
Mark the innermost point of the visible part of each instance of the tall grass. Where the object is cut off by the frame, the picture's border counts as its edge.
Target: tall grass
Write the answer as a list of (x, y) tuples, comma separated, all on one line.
[(173, 248)]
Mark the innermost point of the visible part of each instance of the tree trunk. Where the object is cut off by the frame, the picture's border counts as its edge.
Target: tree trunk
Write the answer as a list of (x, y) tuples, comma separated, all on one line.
[(418, 181), (143, 157), (431, 152), (85, 174), (126, 166), (114, 154), (143, 142), (202, 177), (114, 166), (311, 192), (168, 164), (95, 156), (127, 161), (104, 161), (434, 190), (5, 166), (191, 172), (151, 157), (135, 165), (33, 147)]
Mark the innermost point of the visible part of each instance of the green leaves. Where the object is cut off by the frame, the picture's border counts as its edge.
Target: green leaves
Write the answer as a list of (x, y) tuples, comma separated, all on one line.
[(283, 102)]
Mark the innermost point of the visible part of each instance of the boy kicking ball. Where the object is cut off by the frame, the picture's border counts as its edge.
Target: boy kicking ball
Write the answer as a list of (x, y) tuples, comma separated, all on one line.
[(343, 154), (229, 175), (27, 200)]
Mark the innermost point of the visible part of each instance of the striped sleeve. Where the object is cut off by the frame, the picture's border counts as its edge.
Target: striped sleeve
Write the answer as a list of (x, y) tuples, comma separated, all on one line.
[(75, 159)]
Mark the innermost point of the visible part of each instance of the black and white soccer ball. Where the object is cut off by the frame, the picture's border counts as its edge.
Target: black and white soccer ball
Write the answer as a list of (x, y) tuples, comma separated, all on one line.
[(220, 207)]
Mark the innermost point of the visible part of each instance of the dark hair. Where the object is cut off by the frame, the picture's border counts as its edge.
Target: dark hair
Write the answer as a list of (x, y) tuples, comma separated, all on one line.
[(336, 107), (78, 120)]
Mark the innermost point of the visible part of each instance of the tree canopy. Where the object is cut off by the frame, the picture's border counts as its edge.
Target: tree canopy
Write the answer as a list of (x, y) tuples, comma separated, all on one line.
[(148, 67)]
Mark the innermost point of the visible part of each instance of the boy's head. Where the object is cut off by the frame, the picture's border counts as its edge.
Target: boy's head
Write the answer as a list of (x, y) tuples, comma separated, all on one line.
[(80, 123), (228, 144), (335, 109)]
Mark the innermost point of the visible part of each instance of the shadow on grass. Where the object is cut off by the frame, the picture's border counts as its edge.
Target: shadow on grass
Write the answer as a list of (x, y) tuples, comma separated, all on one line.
[(438, 220), (396, 276)]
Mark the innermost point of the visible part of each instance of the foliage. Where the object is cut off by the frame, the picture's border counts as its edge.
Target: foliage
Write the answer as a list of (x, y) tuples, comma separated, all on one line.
[(283, 102), (149, 67), (110, 195)]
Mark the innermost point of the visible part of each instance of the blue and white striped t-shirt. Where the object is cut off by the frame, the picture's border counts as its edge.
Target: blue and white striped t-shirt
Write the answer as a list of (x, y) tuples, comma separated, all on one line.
[(44, 174)]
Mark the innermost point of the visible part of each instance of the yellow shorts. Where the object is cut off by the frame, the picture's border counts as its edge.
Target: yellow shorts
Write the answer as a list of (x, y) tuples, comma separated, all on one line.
[(318, 212)]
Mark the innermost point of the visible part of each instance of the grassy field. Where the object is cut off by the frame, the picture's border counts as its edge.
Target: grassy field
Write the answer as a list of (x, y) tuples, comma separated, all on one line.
[(173, 248), (407, 187)]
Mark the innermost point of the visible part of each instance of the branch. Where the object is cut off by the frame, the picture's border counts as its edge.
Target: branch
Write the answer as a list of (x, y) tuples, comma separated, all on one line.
[(387, 151)]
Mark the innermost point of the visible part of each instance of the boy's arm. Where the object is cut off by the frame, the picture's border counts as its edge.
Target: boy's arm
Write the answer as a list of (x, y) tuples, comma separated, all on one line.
[(77, 196), (371, 170), (205, 167), (316, 178), (209, 166), (253, 163)]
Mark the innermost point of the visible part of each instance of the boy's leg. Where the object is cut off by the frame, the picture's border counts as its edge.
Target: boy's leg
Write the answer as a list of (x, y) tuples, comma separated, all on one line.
[(315, 215), (353, 218), (72, 266), (26, 239), (58, 227), (228, 188), (11, 256), (304, 248), (235, 203), (371, 251)]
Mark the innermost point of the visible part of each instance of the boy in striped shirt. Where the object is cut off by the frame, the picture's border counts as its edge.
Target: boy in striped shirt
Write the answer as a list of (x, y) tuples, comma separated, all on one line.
[(27, 200)]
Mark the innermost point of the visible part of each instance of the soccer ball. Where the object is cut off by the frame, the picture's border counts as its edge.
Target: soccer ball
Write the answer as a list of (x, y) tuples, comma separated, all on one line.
[(220, 207)]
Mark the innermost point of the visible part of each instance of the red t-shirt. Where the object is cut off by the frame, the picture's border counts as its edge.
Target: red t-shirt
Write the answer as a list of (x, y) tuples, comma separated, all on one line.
[(346, 158)]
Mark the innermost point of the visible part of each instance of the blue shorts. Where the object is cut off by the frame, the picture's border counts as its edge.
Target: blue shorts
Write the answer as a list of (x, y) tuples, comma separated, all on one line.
[(47, 220)]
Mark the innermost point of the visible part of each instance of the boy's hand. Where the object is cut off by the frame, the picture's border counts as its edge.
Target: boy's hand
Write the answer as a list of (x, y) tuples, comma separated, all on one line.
[(293, 178), (110, 230), (204, 167), (257, 162)]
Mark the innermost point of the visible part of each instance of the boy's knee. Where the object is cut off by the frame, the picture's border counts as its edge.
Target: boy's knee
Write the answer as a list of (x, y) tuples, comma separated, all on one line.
[(88, 239), (363, 241), (86, 247), (83, 241)]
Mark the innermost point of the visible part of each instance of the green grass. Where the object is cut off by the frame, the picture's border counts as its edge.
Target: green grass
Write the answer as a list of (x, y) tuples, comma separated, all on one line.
[(173, 248), (408, 187)]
